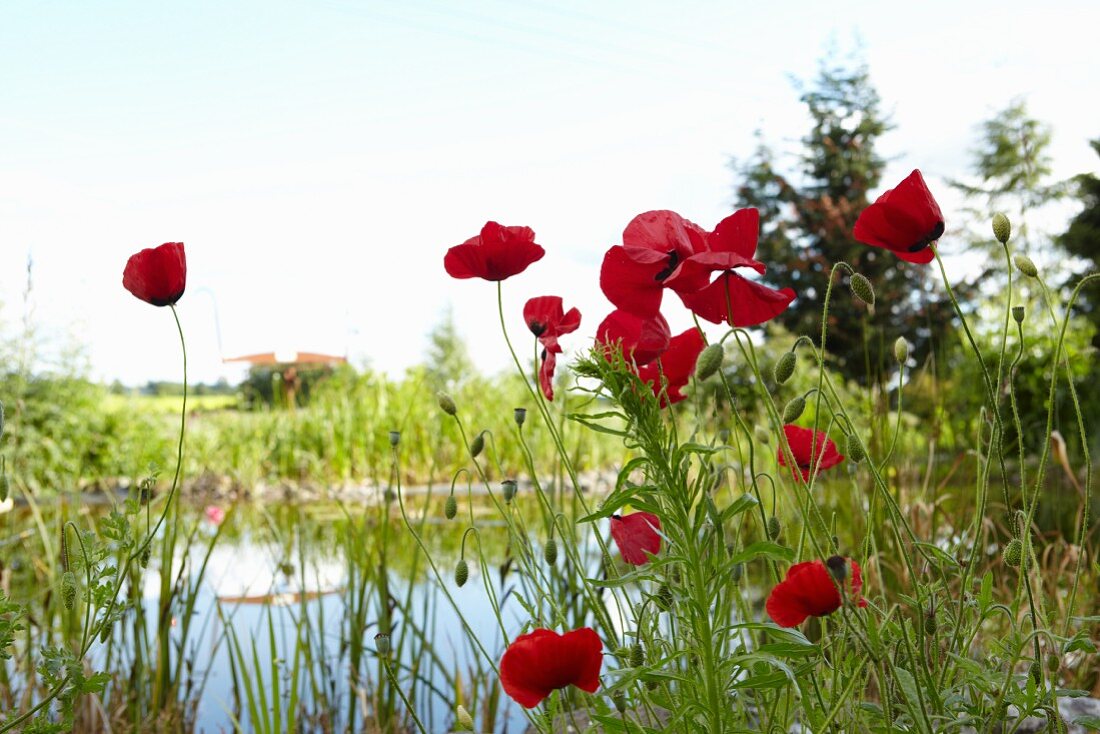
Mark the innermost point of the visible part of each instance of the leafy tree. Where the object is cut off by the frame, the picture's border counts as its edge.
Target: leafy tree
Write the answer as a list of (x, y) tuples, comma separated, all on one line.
[(808, 215), (448, 359), (1082, 240)]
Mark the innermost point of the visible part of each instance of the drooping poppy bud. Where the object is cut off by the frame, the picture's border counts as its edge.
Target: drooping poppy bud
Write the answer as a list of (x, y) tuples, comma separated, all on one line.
[(784, 367), (774, 527), (508, 488), (1002, 228), (462, 572), (1025, 265), (1013, 553), (762, 435), (664, 597), (450, 507), (862, 288), (68, 589), (463, 720), (446, 403), (550, 552), (477, 445), (710, 359), (793, 409), (855, 449)]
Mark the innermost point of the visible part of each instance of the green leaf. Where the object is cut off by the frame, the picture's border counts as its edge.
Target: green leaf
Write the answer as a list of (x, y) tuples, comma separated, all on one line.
[(766, 549), (739, 505)]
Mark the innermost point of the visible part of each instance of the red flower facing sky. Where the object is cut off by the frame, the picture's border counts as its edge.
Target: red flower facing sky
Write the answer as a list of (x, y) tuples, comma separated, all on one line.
[(808, 451), (642, 339), (497, 253), (674, 367), (635, 535), (539, 662), (904, 220), (811, 590), (157, 275)]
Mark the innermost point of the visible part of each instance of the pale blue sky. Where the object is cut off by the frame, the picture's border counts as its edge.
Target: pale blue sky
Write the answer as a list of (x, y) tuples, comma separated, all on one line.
[(317, 158)]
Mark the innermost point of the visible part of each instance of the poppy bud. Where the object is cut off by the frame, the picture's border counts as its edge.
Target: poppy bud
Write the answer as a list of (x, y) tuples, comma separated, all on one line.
[(737, 572), (619, 699), (794, 409), (450, 507), (395, 438), (930, 626), (762, 434), (1, 419), (1036, 672), (462, 572), (68, 589), (1013, 552), (1018, 314), (5, 487), (637, 655), (862, 289), (838, 567), (389, 495), (1025, 265), (143, 559), (446, 403), (509, 488), (854, 449), (774, 527), (382, 643), (104, 633), (520, 415), (1054, 662), (901, 350), (784, 367), (477, 445), (1002, 228), (550, 552), (463, 720), (664, 597), (710, 359)]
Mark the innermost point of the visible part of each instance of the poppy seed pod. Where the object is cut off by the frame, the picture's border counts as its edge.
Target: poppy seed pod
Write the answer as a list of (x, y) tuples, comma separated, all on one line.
[(463, 720), (862, 288), (774, 527), (794, 409), (477, 445), (1002, 228), (1018, 314), (855, 449), (784, 368), (382, 643), (450, 507), (446, 403), (1025, 265), (519, 415), (710, 359), (395, 438), (901, 350), (1013, 552), (462, 572), (508, 487), (550, 552)]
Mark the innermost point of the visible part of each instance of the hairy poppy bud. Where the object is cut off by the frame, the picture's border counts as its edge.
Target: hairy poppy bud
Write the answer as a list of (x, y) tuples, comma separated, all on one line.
[(930, 626), (1002, 228), (901, 350), (774, 527), (1054, 662), (477, 445), (382, 643), (550, 552), (1025, 265), (462, 572), (637, 655), (1018, 313), (520, 415), (463, 720), (737, 572), (395, 438), (762, 434), (446, 403), (1, 419), (1013, 552), (143, 559), (450, 507), (619, 699), (664, 597), (710, 359), (854, 449), (794, 409), (784, 367), (68, 589), (862, 289), (509, 489), (5, 487), (104, 633)]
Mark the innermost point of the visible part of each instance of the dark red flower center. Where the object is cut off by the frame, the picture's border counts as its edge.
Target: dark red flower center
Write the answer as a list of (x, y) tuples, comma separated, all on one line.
[(536, 328), (931, 237), (673, 261), (838, 567)]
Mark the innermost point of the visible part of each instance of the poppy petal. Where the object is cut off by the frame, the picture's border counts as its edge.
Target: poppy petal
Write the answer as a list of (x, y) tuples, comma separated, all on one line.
[(905, 220), (635, 535), (808, 447), (642, 339), (546, 373), (675, 367), (737, 233), (810, 590), (541, 661), (651, 237), (751, 303), (497, 253), (631, 285)]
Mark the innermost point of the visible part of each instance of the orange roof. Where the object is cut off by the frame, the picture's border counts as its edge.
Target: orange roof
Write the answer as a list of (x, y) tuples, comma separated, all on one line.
[(288, 358)]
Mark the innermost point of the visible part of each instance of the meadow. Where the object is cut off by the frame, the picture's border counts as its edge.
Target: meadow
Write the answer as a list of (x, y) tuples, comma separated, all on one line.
[(713, 531)]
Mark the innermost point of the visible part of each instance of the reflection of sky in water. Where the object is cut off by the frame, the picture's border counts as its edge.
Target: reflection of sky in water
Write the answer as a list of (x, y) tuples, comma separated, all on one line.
[(245, 567)]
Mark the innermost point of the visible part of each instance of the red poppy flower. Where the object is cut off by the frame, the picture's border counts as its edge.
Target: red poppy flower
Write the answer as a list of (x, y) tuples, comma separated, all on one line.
[(497, 253), (546, 318), (636, 534), (644, 339), (811, 590), (737, 301), (674, 367), (809, 449), (904, 220), (157, 275), (541, 661)]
